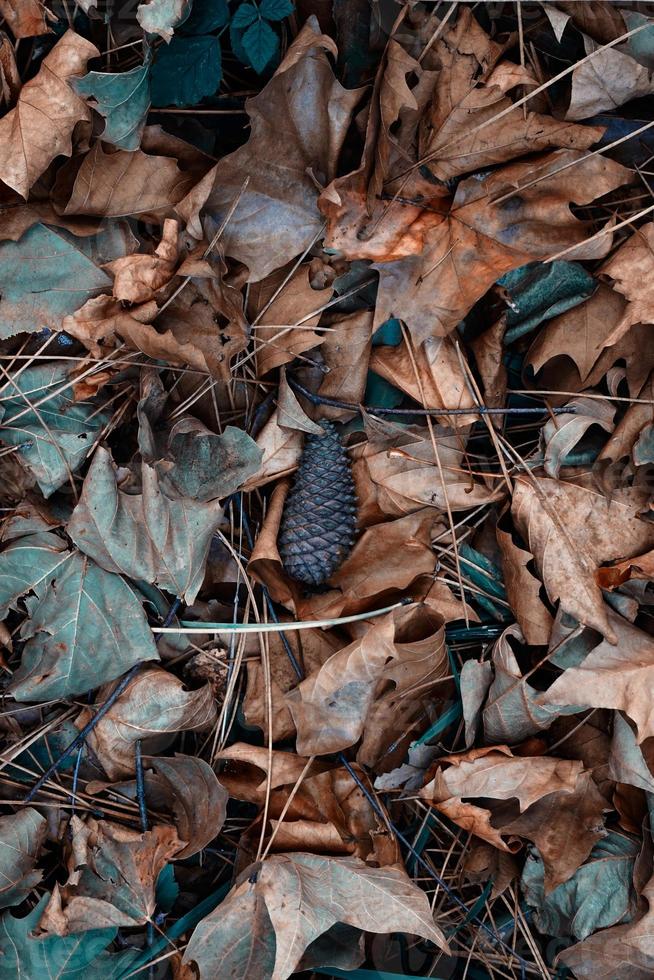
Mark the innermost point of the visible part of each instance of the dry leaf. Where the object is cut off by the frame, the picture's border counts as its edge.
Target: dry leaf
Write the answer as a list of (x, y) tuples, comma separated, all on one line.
[(151, 709), (138, 277), (523, 590), (26, 18), (606, 81), (41, 126)]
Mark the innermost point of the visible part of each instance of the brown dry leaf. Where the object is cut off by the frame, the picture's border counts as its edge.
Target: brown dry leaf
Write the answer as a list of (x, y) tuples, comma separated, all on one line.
[(281, 453), (472, 89), (112, 873), (10, 81), (152, 709), (26, 18), (121, 183), (571, 530), (615, 675), (440, 381), (372, 687), (138, 277), (512, 711), (298, 124), (346, 354), (41, 126), (290, 414), (496, 774), (562, 433), (564, 827), (488, 352), (396, 472), (195, 797), (278, 340), (191, 205), (285, 903), (618, 457), (632, 272), (329, 813), (599, 18), (606, 81), (640, 566), (523, 590), (100, 318), (483, 862)]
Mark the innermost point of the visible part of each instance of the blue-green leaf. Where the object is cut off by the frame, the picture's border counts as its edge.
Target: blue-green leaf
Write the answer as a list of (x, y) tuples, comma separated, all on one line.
[(144, 536), (186, 71), (21, 837), (43, 277), (54, 957), (123, 99), (541, 290), (167, 889), (260, 44), (206, 16), (276, 9), (55, 433), (244, 16), (599, 894), (75, 640)]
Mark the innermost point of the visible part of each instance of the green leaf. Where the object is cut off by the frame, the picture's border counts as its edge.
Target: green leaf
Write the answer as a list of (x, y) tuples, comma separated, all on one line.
[(244, 16), (276, 9), (123, 99), (540, 290), (203, 465), (167, 889), (54, 957), (43, 277), (260, 43), (75, 640), (598, 895), (56, 434), (186, 71), (144, 536), (21, 838), (206, 16)]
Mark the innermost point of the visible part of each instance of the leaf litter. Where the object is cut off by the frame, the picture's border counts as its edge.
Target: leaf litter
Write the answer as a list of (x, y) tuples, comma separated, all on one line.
[(228, 229)]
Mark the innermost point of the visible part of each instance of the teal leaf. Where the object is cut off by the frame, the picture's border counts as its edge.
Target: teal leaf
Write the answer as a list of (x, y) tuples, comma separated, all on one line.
[(206, 16), (203, 465), (599, 894), (260, 43), (43, 277), (55, 433), (144, 536), (276, 9), (21, 838), (54, 957), (186, 71), (539, 291), (244, 16), (167, 889), (123, 99), (75, 640)]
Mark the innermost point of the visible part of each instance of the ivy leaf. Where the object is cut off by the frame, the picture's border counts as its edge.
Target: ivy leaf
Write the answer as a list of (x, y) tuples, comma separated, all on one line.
[(244, 16), (186, 71), (54, 957), (206, 16), (43, 277), (54, 432), (260, 44), (276, 9), (75, 640), (144, 536), (21, 838), (123, 99)]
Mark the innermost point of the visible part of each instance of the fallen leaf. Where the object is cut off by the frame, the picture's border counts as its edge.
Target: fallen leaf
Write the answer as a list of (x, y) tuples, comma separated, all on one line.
[(561, 434), (123, 98), (197, 799), (630, 269), (22, 836), (69, 648), (26, 18), (138, 277), (41, 126), (570, 531), (523, 589), (277, 217), (153, 706), (278, 903), (112, 873), (606, 81), (162, 16), (347, 697), (145, 536)]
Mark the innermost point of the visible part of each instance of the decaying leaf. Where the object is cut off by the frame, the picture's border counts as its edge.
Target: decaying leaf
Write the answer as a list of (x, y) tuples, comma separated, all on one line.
[(21, 837)]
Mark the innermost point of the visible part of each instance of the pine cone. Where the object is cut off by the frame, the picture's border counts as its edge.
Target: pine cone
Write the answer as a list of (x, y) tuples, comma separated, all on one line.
[(319, 519)]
